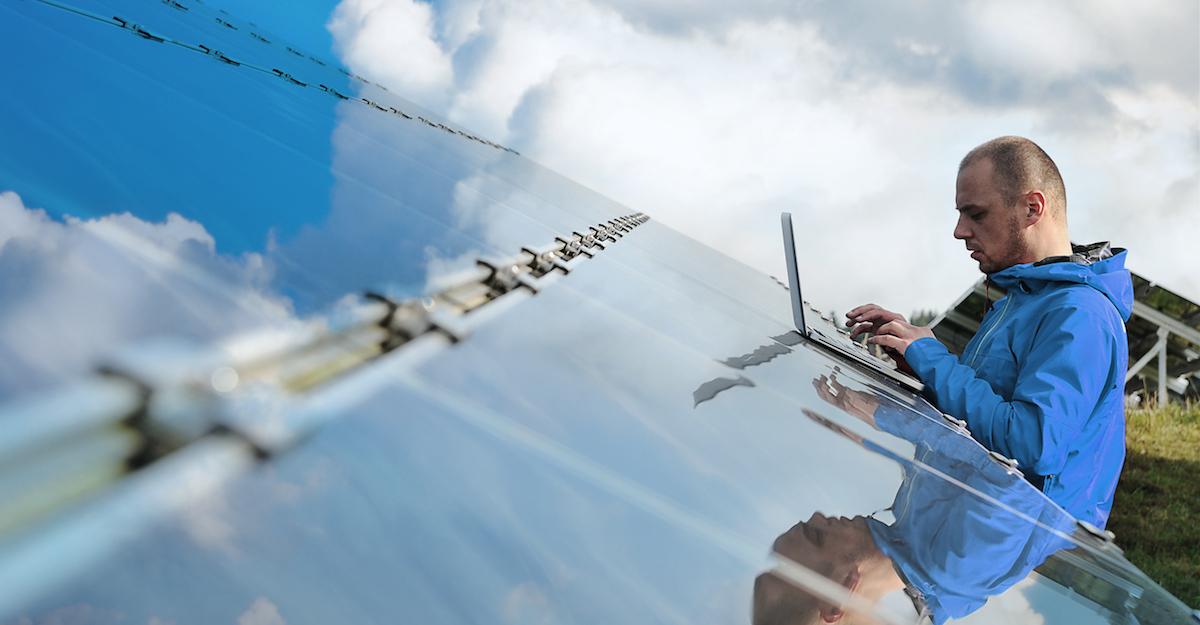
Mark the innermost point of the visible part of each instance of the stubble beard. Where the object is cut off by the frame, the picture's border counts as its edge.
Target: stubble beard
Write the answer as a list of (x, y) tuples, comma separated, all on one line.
[(1015, 250)]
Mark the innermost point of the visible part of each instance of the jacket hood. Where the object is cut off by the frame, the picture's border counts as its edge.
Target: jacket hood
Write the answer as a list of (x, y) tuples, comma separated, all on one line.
[(1097, 265)]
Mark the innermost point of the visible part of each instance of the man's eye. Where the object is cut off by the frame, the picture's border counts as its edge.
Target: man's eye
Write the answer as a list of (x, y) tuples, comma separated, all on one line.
[(977, 216)]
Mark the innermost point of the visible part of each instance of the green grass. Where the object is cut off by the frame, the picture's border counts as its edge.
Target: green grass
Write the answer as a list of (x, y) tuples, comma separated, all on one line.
[(1156, 514)]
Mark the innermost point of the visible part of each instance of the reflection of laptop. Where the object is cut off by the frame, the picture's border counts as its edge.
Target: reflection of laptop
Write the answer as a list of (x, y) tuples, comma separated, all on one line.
[(822, 329)]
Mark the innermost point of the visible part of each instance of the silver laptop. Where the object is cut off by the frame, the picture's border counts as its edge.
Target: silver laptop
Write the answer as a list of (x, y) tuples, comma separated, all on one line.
[(826, 331)]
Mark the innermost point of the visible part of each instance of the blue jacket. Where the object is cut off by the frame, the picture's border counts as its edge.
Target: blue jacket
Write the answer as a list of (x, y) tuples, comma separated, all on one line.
[(1043, 379), (956, 549)]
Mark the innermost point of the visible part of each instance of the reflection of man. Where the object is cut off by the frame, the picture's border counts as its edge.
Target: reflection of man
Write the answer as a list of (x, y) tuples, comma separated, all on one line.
[(1042, 380), (947, 548), (841, 550)]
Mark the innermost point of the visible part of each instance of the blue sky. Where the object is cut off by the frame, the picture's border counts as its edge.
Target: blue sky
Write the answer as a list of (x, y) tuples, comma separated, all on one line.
[(302, 22)]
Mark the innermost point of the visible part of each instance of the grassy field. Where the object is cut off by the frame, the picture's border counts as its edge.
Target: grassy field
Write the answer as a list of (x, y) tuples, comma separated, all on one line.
[(1156, 515)]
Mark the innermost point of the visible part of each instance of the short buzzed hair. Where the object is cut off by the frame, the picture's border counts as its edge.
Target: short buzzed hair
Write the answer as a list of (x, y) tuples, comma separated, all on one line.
[(1021, 166)]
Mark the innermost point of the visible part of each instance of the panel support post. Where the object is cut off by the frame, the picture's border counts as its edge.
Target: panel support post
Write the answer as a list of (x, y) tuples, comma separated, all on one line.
[(1163, 399)]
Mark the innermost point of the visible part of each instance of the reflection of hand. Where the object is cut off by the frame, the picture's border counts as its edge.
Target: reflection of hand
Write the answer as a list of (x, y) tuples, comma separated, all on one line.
[(857, 403)]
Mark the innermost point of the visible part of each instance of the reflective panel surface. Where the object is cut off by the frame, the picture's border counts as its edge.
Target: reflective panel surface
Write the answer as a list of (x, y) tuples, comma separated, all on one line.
[(634, 434), (189, 197)]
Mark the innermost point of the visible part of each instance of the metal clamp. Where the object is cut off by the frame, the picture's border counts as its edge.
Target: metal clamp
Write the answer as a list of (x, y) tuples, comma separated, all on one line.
[(958, 424), (505, 276), (288, 77), (572, 247), (404, 321), (588, 240), (1004, 460), (334, 92), (373, 104), (1104, 535), (137, 30), (217, 54), (602, 233), (542, 262)]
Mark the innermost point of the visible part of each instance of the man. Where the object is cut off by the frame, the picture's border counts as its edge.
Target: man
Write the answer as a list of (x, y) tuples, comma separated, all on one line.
[(1042, 380)]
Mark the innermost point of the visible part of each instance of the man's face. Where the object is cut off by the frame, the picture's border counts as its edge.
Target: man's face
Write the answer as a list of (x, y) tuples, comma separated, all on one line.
[(822, 542), (827, 546), (991, 229)]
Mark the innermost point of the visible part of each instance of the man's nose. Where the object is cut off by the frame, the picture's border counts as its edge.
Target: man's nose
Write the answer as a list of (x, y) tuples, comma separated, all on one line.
[(961, 231)]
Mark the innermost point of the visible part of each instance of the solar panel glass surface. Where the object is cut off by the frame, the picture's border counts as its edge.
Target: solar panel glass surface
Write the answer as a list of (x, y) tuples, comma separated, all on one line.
[(631, 443)]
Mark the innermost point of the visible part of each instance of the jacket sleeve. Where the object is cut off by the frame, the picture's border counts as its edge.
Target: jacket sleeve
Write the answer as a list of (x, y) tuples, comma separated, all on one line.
[(1058, 386)]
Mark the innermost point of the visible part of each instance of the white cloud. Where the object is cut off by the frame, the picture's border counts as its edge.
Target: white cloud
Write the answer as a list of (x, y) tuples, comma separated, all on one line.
[(392, 41), (1013, 606), (72, 291), (1039, 41), (526, 603), (713, 118), (261, 612), (208, 524)]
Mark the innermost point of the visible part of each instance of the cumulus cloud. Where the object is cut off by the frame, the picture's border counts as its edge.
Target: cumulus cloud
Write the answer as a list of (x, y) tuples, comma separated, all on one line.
[(262, 612), (392, 40), (714, 117), (73, 290)]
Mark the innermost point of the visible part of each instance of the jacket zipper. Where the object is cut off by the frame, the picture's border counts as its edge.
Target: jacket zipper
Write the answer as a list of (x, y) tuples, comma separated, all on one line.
[(983, 339)]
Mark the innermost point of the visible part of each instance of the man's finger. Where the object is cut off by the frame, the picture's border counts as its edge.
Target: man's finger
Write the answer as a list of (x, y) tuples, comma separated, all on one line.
[(858, 310), (823, 391), (837, 386), (891, 327), (878, 315), (861, 328), (888, 340), (858, 314), (852, 316)]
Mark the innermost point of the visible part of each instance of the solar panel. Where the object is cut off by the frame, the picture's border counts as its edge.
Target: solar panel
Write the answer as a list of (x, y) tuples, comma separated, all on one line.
[(320, 355)]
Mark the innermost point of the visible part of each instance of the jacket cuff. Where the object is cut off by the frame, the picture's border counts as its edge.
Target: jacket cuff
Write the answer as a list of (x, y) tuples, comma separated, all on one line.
[(922, 354)]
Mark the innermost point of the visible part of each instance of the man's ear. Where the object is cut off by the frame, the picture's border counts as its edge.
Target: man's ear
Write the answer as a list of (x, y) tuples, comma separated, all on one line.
[(1035, 207), (833, 614)]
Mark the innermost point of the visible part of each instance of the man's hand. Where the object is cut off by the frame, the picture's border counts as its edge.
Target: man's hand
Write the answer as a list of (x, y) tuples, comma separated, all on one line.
[(870, 318), (898, 335), (892, 331)]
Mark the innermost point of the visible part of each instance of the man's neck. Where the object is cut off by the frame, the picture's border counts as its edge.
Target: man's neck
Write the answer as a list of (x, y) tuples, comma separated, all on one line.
[(879, 577), (1041, 250)]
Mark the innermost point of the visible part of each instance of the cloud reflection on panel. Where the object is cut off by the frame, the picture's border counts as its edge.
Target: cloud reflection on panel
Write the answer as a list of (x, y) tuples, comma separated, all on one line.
[(262, 612), (412, 204), (392, 202), (71, 291)]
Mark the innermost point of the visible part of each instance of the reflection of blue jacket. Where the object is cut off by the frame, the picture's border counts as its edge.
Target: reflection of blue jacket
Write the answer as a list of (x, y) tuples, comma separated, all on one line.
[(952, 546), (1042, 381)]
